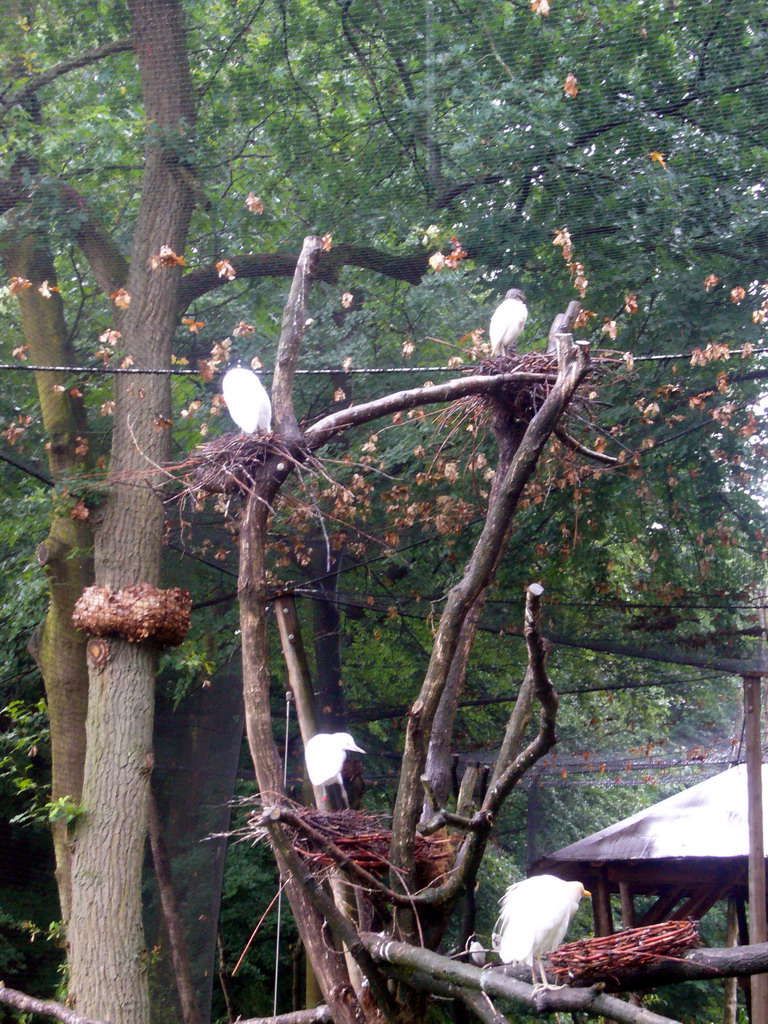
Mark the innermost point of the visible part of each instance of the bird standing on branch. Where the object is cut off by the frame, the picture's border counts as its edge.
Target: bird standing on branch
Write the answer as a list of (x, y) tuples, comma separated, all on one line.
[(535, 915), (325, 753), (507, 323), (247, 401)]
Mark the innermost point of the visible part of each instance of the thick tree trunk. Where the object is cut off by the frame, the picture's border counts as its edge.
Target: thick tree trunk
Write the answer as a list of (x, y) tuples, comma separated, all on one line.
[(107, 950), (57, 647)]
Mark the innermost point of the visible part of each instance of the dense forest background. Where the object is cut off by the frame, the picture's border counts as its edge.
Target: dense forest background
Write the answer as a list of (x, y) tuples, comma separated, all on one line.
[(611, 152)]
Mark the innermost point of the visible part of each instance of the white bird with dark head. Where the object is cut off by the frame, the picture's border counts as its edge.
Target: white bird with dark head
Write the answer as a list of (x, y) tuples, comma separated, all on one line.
[(325, 754), (247, 401), (535, 915), (507, 323)]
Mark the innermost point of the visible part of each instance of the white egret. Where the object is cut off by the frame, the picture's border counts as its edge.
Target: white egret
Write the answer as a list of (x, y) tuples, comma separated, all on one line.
[(247, 401), (325, 753), (507, 323), (535, 915)]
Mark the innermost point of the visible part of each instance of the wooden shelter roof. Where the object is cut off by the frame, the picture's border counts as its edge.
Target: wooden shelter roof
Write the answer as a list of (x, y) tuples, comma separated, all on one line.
[(692, 847)]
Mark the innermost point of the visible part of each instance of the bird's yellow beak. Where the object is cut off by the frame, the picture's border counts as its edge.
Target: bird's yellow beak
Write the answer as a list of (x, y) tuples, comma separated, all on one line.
[(587, 893)]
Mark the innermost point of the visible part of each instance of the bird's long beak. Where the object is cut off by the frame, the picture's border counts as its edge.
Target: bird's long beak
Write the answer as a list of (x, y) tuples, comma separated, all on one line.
[(355, 747)]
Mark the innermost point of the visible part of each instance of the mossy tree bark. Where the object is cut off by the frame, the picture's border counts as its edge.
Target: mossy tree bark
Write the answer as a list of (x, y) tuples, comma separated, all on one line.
[(65, 554)]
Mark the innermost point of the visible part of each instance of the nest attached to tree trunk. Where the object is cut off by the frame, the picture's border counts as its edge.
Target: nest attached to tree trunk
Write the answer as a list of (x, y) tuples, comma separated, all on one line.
[(517, 400), (228, 464), (139, 612), (363, 837), (591, 960)]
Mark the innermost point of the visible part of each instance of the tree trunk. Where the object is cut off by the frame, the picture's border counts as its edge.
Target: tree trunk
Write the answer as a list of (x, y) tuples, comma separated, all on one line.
[(58, 648), (107, 950)]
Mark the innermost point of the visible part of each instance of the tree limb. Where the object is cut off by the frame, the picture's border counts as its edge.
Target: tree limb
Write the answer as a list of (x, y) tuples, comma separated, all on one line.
[(46, 77), (321, 432), (573, 365), (291, 335), (318, 1015), (428, 971), (581, 449), (43, 1007)]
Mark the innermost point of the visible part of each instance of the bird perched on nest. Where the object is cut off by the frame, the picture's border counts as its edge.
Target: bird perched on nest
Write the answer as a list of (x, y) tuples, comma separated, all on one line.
[(325, 753), (507, 323), (535, 915), (247, 401)]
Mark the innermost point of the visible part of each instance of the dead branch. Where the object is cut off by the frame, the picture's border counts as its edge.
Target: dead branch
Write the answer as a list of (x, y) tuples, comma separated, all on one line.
[(318, 1015), (322, 431), (43, 1007), (581, 449), (291, 335), (427, 971)]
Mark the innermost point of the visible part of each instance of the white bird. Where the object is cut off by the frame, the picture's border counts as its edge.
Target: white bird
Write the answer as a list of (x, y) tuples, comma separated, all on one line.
[(325, 753), (534, 918), (507, 323), (247, 401)]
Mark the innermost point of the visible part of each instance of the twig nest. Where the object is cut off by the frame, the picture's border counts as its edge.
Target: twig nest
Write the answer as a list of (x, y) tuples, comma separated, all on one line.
[(608, 956), (139, 612), (518, 400), (228, 464)]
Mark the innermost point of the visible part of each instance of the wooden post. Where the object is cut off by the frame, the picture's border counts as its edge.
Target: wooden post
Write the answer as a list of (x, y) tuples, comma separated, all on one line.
[(757, 916), (601, 904)]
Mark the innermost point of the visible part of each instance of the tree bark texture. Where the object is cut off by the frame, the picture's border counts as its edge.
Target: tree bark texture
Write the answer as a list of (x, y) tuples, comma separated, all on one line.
[(65, 554), (107, 949)]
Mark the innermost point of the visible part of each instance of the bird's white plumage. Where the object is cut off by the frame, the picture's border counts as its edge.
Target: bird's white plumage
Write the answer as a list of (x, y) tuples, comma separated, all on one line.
[(325, 753), (507, 322), (534, 918), (247, 401)]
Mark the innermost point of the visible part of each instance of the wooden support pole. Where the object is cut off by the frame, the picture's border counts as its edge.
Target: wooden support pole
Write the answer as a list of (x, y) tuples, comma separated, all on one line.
[(757, 915), (601, 905)]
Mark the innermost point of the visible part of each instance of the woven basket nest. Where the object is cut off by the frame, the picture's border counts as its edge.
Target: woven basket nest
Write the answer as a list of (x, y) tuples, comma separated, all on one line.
[(228, 464), (139, 612), (518, 399), (363, 837), (591, 960)]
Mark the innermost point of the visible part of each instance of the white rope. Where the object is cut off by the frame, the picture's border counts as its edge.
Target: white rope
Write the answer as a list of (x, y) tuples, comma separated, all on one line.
[(288, 697)]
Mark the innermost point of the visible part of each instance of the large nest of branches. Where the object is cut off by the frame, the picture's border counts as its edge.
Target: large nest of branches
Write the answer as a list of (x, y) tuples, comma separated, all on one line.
[(591, 960), (364, 838), (228, 464), (139, 612), (518, 400)]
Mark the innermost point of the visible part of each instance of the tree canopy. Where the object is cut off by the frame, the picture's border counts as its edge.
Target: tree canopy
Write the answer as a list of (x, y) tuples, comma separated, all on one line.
[(163, 166)]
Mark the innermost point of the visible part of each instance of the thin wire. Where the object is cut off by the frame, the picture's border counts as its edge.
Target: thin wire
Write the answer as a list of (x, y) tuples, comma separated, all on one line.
[(280, 893), (316, 371)]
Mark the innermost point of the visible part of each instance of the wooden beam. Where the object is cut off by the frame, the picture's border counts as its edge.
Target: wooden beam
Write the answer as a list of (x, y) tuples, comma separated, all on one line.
[(757, 913)]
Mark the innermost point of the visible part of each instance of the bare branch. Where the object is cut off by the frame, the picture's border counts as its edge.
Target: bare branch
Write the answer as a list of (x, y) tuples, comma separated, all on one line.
[(291, 335), (428, 971), (43, 1007), (429, 394), (319, 1015), (581, 449), (573, 366)]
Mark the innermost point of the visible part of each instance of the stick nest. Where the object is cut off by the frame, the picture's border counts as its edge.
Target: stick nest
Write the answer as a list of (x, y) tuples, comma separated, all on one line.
[(139, 612), (228, 464), (591, 960), (518, 400), (364, 838)]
